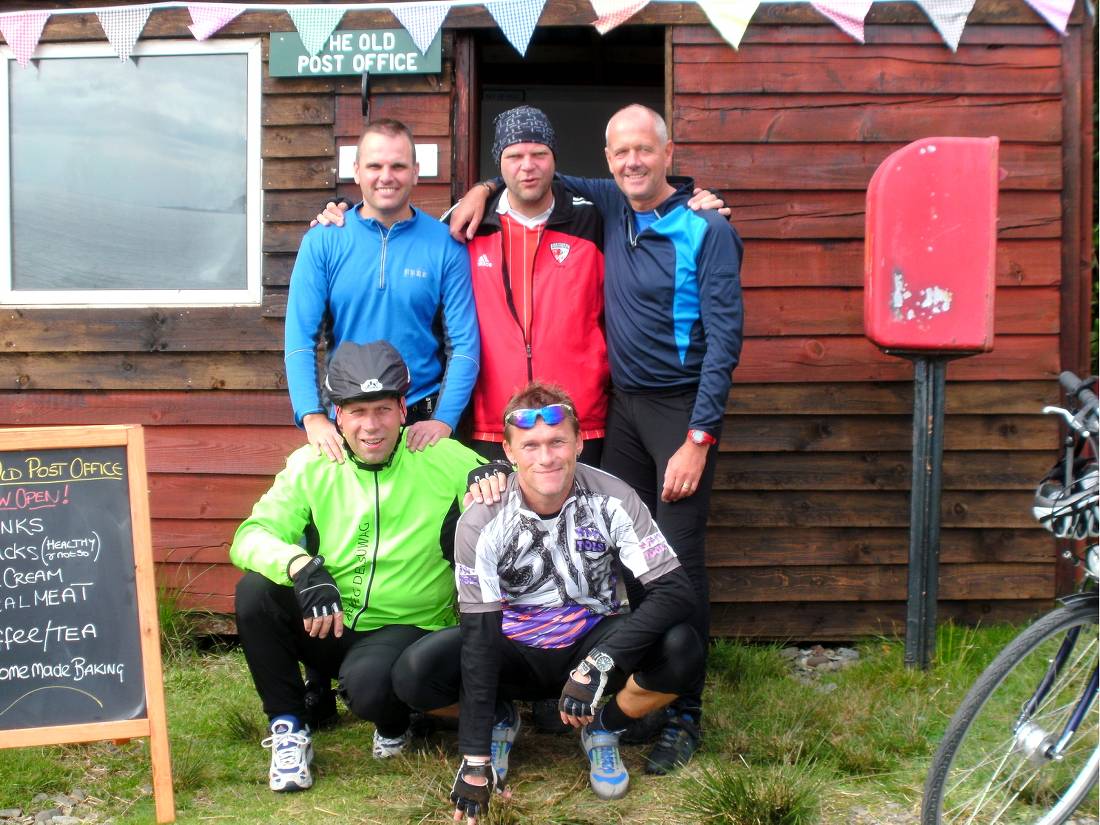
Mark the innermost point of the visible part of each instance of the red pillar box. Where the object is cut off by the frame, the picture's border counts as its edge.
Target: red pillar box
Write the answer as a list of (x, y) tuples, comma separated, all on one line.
[(928, 296), (931, 247)]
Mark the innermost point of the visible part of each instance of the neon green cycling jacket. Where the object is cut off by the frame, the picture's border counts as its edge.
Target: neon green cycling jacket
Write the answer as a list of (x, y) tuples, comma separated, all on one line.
[(381, 531)]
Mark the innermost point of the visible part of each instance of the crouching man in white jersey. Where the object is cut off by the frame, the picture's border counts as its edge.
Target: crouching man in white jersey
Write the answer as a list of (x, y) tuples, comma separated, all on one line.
[(542, 609)]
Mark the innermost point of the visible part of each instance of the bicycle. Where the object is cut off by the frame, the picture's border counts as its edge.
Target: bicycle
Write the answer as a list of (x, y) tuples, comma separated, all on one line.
[(1023, 745)]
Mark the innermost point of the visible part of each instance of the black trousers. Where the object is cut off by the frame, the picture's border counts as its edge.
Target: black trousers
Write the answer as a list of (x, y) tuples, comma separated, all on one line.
[(643, 432), (428, 676), (269, 623)]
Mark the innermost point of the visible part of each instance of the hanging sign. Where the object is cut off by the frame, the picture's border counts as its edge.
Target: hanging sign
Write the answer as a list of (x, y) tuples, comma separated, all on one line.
[(378, 51)]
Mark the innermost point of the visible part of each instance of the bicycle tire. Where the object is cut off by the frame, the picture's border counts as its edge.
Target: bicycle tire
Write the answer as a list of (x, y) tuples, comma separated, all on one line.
[(978, 776)]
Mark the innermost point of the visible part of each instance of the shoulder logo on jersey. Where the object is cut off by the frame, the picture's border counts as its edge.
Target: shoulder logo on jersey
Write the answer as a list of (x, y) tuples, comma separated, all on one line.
[(484, 261), (560, 251)]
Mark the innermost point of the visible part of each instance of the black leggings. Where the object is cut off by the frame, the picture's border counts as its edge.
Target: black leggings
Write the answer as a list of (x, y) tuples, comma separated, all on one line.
[(427, 677), (269, 623)]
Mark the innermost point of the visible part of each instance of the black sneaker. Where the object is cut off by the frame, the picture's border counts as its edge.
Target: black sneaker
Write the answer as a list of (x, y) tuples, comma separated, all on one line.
[(320, 700), (546, 717), (645, 730), (678, 743)]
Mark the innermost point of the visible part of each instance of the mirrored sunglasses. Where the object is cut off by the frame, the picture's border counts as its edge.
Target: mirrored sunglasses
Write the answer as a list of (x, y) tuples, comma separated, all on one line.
[(526, 418)]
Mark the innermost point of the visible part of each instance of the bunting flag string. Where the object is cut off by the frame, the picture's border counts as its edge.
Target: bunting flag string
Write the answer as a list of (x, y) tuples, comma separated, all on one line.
[(730, 17), (423, 19), (612, 13), (949, 18), (22, 30), (123, 27), (421, 22), (847, 14), (315, 24), (517, 19), (208, 20)]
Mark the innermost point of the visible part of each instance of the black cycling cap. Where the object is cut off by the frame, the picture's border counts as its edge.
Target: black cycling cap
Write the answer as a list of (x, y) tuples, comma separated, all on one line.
[(366, 371)]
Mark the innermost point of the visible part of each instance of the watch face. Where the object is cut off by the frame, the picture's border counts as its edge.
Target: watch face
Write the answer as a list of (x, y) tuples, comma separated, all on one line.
[(697, 436)]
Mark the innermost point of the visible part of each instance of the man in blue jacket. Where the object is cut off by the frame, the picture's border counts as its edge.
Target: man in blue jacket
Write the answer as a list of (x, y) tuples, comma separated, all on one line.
[(395, 275), (672, 306)]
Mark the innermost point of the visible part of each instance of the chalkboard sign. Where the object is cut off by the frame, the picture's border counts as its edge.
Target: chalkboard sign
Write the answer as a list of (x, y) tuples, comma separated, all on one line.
[(79, 644)]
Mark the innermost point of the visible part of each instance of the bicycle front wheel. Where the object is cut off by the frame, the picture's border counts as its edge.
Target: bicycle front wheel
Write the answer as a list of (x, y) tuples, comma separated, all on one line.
[(991, 765)]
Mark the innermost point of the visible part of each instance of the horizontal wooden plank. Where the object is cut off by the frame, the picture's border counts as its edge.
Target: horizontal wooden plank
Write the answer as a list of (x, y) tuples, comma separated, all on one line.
[(193, 541), (894, 398), (277, 268), (877, 583), (207, 584), (145, 329), (132, 371), (421, 114), (827, 311), (866, 69), (256, 409), (179, 496), (962, 470), (297, 110), (430, 195), (299, 173), (789, 621), (812, 508), (812, 546), (297, 142), (213, 449), (852, 358), (297, 206), (841, 118), (842, 165), (818, 214), (799, 263), (975, 33)]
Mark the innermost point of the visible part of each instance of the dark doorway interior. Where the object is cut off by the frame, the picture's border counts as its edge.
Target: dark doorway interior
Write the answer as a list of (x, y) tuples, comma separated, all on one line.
[(578, 78)]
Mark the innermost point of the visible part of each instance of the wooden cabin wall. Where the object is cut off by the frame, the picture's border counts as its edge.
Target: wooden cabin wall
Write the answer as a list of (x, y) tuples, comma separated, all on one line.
[(808, 532), (808, 529)]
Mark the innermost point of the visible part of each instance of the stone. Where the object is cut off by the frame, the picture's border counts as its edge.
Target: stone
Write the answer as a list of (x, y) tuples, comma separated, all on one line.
[(789, 653), (65, 820), (11, 813), (47, 815), (78, 794)]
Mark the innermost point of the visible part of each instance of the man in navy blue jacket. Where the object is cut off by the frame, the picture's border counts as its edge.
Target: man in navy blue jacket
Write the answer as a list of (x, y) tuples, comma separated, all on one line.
[(672, 294)]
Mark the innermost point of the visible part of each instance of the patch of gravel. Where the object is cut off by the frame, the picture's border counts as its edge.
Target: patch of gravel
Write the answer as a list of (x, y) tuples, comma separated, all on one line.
[(74, 808), (807, 664)]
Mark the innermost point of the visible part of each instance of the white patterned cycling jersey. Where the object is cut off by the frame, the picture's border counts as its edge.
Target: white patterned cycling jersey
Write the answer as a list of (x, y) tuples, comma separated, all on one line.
[(556, 578)]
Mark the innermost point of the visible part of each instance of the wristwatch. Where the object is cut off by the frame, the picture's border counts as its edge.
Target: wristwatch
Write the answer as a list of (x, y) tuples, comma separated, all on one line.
[(598, 660), (701, 437)]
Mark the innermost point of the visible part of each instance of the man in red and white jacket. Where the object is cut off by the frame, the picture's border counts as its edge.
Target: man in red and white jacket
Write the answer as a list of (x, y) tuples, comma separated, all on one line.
[(537, 267)]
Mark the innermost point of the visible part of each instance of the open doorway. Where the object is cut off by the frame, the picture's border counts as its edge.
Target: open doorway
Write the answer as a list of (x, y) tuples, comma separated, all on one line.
[(577, 77)]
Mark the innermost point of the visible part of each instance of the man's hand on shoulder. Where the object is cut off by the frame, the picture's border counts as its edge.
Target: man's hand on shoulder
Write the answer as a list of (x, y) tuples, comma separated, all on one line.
[(324, 437), (467, 214), (486, 483), (333, 214), (424, 434), (707, 199)]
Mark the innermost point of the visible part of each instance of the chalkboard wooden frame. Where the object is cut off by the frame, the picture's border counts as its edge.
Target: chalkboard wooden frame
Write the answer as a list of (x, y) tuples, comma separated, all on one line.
[(154, 725)]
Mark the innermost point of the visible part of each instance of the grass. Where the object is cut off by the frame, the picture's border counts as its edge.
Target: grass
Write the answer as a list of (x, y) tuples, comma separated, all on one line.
[(777, 752)]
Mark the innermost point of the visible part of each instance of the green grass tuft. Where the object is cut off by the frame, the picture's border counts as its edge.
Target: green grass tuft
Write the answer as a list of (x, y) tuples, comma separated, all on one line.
[(748, 795)]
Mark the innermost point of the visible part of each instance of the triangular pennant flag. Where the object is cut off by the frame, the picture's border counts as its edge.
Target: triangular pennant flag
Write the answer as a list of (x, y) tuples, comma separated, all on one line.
[(949, 18), (612, 13), (729, 17), (422, 22), (517, 19), (123, 27), (207, 19), (22, 31), (1055, 12), (314, 25), (847, 14)]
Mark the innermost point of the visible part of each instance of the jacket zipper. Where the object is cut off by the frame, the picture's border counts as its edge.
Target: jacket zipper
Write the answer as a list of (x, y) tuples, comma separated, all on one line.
[(374, 557), (512, 301), (385, 236)]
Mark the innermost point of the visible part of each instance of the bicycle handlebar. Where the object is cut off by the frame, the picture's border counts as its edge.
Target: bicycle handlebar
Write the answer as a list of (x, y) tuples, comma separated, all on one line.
[(1077, 388)]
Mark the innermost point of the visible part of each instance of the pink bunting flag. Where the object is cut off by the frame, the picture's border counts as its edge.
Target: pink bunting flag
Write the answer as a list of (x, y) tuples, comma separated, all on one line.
[(207, 19), (420, 21), (612, 13), (517, 19), (22, 30), (949, 18), (847, 14), (1055, 12), (123, 27)]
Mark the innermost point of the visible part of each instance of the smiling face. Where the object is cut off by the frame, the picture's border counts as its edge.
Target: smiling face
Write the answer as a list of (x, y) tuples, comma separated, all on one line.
[(546, 458), (638, 158), (386, 172), (371, 428), (528, 169)]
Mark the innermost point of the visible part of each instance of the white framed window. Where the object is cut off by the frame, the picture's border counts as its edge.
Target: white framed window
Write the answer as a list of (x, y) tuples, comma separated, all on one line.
[(132, 182)]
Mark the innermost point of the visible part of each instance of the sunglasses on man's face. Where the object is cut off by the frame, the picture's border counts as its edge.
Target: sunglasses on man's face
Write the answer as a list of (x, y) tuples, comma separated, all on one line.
[(526, 418)]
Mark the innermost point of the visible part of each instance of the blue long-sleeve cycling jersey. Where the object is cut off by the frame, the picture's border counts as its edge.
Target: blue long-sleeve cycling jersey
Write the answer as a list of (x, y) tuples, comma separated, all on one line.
[(408, 284), (672, 296)]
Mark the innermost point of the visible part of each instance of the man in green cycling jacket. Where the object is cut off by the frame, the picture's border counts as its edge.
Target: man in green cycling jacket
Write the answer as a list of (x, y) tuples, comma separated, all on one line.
[(383, 578)]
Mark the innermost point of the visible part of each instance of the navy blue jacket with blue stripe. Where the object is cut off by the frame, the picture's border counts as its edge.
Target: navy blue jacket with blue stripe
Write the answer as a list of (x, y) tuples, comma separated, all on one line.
[(672, 297)]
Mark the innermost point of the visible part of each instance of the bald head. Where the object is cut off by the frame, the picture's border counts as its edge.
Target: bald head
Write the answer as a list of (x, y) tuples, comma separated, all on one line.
[(639, 155)]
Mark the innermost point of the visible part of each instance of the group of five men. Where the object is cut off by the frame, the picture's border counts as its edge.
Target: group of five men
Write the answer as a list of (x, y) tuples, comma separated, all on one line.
[(587, 322)]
